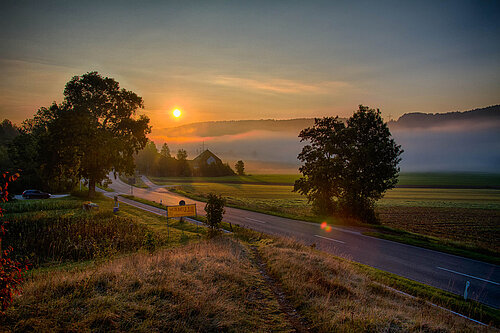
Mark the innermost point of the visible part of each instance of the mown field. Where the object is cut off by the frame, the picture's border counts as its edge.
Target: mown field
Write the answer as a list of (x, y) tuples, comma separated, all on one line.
[(234, 283), (251, 179), (432, 179)]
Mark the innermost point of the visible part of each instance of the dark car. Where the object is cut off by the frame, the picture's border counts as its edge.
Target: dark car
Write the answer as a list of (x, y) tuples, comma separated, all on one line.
[(35, 194)]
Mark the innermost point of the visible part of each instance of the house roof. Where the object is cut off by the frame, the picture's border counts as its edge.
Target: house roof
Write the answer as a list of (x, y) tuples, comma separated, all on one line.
[(204, 156)]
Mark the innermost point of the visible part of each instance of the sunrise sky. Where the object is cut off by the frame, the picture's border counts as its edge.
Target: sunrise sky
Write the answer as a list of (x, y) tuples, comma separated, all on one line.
[(219, 60)]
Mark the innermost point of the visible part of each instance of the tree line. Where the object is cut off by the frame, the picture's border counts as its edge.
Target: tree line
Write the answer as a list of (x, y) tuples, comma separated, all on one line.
[(152, 162)]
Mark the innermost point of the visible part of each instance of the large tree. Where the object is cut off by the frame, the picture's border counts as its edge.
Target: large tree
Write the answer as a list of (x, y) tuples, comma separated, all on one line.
[(348, 166), (94, 131), (108, 135)]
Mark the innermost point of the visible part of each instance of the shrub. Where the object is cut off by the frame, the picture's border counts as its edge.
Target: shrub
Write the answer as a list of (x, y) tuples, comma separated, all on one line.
[(215, 210)]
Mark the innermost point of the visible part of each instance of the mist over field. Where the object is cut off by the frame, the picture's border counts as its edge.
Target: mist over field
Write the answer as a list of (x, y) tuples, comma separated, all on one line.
[(457, 141)]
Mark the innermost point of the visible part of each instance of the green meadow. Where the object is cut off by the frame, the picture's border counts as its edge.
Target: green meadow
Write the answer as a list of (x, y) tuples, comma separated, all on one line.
[(433, 179)]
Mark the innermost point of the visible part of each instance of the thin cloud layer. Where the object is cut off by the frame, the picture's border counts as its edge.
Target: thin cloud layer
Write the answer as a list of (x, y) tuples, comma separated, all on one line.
[(282, 86)]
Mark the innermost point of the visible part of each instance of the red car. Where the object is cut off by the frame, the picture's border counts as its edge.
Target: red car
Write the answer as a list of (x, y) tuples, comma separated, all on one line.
[(35, 194)]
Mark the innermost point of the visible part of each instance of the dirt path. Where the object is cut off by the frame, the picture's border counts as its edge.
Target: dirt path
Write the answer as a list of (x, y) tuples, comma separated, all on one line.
[(298, 323)]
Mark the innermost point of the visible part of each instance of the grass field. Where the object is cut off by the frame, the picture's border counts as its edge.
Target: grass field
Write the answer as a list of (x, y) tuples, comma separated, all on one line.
[(250, 179), (432, 179)]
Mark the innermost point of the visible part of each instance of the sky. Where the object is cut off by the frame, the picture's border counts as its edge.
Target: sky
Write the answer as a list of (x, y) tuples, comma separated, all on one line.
[(231, 60)]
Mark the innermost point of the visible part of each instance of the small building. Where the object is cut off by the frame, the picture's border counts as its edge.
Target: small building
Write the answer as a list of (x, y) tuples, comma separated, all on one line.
[(205, 158), (210, 165)]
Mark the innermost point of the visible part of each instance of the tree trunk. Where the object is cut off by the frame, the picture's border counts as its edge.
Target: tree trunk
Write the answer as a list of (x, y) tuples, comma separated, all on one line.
[(91, 188)]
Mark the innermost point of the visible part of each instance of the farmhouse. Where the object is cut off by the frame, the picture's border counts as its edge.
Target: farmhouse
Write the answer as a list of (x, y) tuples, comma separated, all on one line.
[(209, 164), (205, 158)]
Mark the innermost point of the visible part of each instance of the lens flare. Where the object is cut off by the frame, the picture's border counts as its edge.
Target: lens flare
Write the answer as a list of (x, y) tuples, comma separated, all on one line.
[(326, 227)]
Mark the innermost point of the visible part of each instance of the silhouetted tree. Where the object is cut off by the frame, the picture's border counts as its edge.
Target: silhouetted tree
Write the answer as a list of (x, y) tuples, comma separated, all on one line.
[(347, 167), (165, 151), (183, 168), (240, 168), (215, 211), (8, 132), (108, 136), (147, 159)]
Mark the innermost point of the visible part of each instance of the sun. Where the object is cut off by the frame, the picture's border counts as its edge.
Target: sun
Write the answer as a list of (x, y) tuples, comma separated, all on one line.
[(177, 113)]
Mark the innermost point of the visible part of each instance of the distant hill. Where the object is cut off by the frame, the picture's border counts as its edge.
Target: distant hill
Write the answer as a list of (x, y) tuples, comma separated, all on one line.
[(489, 115), (219, 128)]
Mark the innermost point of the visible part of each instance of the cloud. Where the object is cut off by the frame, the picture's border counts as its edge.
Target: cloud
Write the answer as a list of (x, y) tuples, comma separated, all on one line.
[(282, 86)]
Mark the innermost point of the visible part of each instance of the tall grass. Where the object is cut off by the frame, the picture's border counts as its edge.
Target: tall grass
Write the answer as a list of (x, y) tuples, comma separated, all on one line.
[(203, 287), (45, 237)]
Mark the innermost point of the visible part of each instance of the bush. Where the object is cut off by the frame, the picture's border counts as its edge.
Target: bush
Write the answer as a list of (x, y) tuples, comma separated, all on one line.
[(215, 210)]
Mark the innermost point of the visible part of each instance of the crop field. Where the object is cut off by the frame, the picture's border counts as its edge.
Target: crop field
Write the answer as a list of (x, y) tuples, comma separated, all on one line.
[(442, 198), (471, 227), (450, 179)]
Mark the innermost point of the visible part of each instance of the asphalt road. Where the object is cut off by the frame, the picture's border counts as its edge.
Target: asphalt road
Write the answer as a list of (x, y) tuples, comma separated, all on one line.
[(441, 270)]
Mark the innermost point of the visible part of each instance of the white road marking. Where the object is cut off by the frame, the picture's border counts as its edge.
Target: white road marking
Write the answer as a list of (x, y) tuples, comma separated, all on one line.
[(335, 240), (259, 221), (471, 276)]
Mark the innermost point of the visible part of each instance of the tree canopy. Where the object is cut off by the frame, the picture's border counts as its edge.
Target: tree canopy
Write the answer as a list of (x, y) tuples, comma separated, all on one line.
[(109, 135), (240, 168), (93, 132), (347, 167)]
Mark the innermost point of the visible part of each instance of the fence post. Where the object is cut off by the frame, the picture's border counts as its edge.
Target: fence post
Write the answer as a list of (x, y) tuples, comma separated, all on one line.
[(466, 290)]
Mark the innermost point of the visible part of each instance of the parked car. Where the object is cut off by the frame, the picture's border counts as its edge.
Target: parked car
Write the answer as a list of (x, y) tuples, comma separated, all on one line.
[(35, 194)]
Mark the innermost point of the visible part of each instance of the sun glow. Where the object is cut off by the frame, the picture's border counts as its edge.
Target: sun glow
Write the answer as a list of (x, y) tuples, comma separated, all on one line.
[(177, 113)]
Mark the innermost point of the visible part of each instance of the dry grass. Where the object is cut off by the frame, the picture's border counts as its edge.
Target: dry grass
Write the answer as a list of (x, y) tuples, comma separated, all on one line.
[(216, 286), (209, 286), (335, 297)]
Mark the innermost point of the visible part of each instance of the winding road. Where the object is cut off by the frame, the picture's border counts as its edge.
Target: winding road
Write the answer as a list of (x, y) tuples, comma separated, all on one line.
[(437, 269)]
